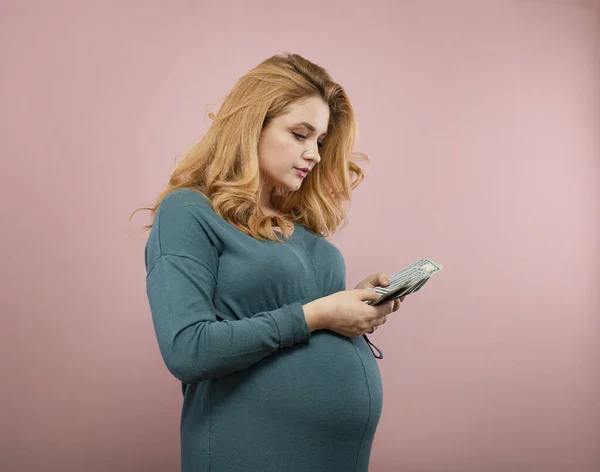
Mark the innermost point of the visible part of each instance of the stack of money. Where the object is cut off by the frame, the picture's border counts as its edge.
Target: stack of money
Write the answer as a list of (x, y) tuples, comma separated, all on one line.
[(409, 280)]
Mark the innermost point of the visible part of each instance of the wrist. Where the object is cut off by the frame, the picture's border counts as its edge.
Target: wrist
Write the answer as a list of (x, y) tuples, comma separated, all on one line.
[(314, 316)]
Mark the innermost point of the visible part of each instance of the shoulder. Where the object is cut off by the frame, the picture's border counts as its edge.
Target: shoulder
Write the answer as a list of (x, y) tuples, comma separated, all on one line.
[(182, 213), (184, 226), (179, 199), (184, 205)]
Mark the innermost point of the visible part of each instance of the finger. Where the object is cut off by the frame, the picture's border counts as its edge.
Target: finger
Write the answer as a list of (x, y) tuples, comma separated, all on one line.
[(384, 309), (378, 323), (369, 294), (376, 279)]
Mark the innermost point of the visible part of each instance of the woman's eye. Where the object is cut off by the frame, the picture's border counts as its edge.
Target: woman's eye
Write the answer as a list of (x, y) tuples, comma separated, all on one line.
[(301, 137)]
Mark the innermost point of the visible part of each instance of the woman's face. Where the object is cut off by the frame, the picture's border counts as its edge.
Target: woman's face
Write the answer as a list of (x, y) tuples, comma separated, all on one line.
[(286, 144)]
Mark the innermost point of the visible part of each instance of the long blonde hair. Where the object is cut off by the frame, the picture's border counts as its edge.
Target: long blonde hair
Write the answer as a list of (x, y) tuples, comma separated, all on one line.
[(223, 166)]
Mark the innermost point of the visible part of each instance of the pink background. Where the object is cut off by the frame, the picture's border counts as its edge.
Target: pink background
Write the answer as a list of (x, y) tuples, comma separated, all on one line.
[(482, 120)]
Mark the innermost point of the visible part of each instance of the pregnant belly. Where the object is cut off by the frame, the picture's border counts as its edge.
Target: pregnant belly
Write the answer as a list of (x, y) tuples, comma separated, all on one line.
[(328, 390)]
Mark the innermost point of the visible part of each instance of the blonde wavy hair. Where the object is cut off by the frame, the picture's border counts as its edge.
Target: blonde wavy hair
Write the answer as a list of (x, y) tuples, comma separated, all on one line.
[(224, 167)]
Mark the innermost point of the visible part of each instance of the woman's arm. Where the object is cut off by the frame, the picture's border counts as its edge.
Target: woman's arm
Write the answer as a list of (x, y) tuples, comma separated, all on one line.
[(182, 263)]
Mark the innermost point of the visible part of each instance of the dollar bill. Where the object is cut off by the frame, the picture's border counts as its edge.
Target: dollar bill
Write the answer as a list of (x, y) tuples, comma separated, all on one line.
[(409, 280)]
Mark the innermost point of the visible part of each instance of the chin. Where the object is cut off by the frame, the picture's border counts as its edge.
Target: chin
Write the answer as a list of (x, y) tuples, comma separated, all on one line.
[(295, 187), (291, 186)]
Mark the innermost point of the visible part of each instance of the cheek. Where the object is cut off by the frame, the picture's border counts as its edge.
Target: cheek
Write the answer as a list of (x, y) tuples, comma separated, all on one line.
[(288, 150), (284, 145), (277, 155), (281, 153)]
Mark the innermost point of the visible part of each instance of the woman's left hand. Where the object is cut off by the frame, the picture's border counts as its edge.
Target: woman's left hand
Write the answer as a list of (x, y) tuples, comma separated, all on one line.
[(379, 279)]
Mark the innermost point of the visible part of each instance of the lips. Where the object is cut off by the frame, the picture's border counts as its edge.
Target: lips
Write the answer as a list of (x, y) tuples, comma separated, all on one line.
[(302, 172)]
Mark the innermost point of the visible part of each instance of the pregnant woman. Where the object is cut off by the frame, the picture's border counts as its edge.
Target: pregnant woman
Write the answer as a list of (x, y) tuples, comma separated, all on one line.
[(247, 294)]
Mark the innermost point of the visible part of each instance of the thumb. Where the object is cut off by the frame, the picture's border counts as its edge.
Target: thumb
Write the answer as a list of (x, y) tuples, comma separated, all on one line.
[(368, 294), (383, 278)]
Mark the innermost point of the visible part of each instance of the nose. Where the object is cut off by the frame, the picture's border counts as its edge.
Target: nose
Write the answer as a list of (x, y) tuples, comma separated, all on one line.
[(313, 156)]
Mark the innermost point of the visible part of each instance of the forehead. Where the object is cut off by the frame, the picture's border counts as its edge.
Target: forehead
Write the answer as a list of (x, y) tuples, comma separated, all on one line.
[(313, 112)]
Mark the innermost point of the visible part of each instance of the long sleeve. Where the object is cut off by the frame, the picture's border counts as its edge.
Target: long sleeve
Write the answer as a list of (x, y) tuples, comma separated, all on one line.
[(182, 264)]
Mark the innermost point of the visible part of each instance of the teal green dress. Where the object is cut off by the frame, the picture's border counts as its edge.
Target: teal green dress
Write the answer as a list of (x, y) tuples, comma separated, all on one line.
[(261, 393)]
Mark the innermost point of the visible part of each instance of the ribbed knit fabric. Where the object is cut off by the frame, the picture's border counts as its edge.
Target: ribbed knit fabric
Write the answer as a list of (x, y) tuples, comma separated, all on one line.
[(261, 393)]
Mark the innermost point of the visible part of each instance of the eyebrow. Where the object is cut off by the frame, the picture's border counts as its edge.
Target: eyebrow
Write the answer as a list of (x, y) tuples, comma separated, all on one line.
[(310, 127)]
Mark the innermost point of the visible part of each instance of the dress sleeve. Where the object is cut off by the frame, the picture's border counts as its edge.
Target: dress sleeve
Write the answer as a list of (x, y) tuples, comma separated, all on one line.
[(181, 264)]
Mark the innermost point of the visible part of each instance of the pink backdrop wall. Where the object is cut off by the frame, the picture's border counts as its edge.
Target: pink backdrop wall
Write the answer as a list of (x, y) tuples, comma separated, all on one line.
[(482, 120)]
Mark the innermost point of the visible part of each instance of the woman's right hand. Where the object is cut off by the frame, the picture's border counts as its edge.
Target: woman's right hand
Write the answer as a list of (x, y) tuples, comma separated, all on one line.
[(345, 312)]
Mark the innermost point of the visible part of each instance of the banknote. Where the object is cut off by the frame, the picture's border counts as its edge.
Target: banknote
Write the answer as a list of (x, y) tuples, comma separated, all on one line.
[(409, 280)]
